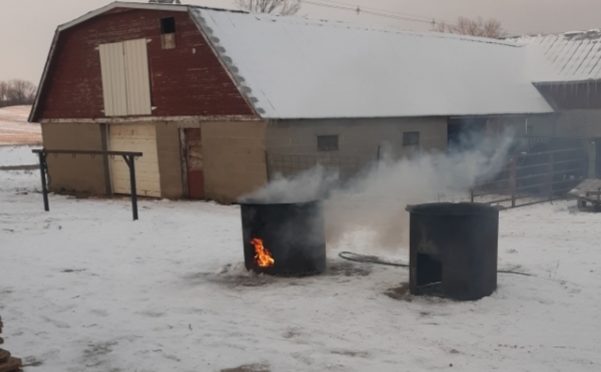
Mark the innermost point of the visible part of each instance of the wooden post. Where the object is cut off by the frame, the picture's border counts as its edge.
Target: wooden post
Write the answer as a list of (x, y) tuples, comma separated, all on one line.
[(131, 163)]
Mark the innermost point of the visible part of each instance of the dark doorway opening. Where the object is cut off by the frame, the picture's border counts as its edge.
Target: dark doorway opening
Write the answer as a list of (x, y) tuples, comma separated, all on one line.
[(428, 271), (462, 133)]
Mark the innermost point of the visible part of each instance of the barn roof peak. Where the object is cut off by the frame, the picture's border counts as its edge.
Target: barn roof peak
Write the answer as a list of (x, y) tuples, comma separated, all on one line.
[(133, 5)]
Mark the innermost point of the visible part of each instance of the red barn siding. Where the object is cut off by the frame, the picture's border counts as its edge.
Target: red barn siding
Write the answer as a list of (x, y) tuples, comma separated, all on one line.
[(183, 82)]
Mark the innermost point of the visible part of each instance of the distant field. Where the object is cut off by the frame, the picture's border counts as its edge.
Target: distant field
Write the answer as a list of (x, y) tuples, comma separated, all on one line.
[(14, 128)]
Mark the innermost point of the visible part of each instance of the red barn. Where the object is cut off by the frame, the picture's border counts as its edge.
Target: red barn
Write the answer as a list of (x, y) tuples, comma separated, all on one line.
[(219, 101)]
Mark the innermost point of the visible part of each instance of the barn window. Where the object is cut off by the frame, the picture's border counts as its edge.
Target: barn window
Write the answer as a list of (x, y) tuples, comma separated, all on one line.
[(168, 25), (410, 138), (327, 143), (168, 33)]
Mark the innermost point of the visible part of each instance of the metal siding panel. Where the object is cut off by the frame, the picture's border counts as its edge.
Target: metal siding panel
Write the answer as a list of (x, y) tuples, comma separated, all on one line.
[(135, 137), (112, 65), (586, 52), (137, 77)]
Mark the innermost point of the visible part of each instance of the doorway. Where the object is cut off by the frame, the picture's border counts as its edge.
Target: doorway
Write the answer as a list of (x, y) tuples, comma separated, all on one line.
[(194, 162)]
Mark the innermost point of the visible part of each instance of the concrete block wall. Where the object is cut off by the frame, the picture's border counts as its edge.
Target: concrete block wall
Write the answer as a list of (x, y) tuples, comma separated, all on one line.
[(234, 159), (292, 144), (75, 174)]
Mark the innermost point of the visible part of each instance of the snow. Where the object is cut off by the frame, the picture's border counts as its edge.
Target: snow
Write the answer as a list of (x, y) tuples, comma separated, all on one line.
[(14, 128), (84, 288), (17, 155), (299, 68)]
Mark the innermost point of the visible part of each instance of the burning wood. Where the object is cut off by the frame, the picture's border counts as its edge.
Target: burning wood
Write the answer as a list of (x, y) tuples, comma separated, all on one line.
[(262, 255)]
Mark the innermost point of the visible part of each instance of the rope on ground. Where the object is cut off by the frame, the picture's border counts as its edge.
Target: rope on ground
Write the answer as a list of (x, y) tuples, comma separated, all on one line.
[(363, 258), (511, 272), (355, 257)]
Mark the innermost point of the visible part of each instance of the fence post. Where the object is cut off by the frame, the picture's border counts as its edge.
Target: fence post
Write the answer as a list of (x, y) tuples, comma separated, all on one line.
[(551, 174), (513, 179), (43, 172), (267, 167), (592, 159), (131, 163)]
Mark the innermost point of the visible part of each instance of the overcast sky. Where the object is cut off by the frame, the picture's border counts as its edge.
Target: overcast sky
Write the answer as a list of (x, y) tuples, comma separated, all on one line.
[(27, 26)]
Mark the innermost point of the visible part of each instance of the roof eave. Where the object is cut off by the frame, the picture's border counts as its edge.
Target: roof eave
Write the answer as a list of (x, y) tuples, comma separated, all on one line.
[(573, 81), (122, 4), (33, 115), (415, 115)]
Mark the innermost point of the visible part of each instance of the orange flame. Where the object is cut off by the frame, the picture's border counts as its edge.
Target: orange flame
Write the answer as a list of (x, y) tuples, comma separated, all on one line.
[(262, 255)]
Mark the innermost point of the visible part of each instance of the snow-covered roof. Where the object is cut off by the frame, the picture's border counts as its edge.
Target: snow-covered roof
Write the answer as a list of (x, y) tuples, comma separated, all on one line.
[(291, 67), (570, 56)]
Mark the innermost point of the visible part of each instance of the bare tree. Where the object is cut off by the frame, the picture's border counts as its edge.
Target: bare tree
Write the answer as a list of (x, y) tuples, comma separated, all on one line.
[(281, 7), (3, 93), (475, 27), (16, 92)]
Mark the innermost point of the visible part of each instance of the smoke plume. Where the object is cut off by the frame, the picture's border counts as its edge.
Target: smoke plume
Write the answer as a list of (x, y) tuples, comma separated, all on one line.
[(375, 200)]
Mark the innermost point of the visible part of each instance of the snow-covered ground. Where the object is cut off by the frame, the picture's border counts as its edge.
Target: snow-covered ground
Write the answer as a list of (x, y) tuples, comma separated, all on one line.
[(17, 155), (14, 128), (85, 288)]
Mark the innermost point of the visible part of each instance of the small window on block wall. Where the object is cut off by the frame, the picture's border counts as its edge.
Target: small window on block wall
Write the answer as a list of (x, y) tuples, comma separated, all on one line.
[(168, 33), (410, 138), (327, 143)]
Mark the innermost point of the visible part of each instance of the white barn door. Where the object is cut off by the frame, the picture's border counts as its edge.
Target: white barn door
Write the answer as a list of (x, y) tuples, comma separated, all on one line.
[(141, 138), (137, 77), (114, 89), (125, 78)]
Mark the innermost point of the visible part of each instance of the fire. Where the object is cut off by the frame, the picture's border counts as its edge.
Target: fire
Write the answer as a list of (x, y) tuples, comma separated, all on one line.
[(262, 255)]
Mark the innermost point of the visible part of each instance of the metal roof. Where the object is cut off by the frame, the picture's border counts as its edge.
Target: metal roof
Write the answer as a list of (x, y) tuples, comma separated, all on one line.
[(570, 56)]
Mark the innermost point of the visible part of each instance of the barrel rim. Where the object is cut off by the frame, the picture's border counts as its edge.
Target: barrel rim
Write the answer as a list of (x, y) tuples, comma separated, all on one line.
[(453, 209), (257, 203)]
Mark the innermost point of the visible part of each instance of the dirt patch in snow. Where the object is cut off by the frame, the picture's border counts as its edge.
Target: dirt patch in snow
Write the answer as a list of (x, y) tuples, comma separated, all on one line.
[(399, 293), (249, 368), (236, 276), (344, 268)]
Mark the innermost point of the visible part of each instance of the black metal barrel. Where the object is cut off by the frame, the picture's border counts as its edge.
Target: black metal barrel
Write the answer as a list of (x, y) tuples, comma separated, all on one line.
[(292, 233), (453, 249)]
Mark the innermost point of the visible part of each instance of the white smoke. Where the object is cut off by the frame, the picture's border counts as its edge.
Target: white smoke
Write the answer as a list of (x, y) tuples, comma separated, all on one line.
[(376, 199), (306, 186)]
